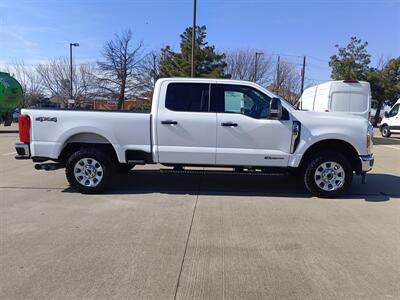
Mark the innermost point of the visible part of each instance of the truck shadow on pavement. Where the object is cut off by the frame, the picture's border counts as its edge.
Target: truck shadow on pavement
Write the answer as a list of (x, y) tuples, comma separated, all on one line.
[(379, 187), (387, 141)]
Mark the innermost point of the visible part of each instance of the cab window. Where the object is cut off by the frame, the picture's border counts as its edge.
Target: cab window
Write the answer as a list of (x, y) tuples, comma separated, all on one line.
[(189, 97), (244, 100), (394, 111)]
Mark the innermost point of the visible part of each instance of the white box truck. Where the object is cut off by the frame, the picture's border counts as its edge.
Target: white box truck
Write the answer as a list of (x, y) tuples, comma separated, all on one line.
[(349, 96)]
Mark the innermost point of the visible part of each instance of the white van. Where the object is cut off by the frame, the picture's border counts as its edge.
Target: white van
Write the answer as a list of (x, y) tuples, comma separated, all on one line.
[(350, 96), (391, 122)]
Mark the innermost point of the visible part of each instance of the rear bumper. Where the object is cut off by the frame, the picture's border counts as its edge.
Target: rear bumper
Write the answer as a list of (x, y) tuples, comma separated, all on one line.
[(367, 162), (23, 151)]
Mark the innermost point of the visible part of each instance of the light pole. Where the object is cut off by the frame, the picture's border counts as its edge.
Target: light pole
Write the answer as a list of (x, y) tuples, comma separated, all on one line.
[(193, 38), (70, 67), (255, 65)]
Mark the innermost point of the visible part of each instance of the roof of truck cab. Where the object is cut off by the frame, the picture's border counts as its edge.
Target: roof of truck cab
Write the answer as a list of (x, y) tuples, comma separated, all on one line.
[(206, 80), (217, 80), (222, 81)]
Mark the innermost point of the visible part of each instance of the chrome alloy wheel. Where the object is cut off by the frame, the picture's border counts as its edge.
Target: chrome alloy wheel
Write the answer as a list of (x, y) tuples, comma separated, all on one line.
[(329, 176), (88, 172)]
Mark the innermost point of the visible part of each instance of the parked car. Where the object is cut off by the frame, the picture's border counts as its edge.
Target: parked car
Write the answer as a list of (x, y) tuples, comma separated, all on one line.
[(391, 122), (16, 114), (201, 122), (349, 96)]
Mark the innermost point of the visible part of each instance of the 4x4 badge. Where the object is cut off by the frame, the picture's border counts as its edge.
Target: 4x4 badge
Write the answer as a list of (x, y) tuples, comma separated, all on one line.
[(46, 119)]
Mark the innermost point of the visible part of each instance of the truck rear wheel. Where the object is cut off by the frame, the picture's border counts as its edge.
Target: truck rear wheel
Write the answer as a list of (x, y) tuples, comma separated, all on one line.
[(328, 175), (89, 171)]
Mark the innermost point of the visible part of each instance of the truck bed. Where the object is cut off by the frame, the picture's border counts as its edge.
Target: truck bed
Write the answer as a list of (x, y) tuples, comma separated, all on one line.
[(51, 129)]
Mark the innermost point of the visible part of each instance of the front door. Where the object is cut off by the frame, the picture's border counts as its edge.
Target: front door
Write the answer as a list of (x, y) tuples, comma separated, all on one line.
[(245, 135), (394, 118), (186, 130)]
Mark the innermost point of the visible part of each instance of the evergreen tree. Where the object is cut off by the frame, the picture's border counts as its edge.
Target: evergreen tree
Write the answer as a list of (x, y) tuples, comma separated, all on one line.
[(351, 62), (208, 63)]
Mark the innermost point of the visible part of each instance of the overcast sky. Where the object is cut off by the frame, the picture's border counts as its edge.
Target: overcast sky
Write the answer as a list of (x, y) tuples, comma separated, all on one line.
[(36, 30)]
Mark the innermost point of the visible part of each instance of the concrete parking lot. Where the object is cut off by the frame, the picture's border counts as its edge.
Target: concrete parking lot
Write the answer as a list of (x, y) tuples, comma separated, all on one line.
[(158, 235)]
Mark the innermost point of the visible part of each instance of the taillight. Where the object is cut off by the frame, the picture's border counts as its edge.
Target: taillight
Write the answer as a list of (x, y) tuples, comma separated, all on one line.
[(24, 126)]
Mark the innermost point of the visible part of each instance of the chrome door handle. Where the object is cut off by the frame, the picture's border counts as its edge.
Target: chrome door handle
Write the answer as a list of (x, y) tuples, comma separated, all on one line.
[(229, 124), (169, 122)]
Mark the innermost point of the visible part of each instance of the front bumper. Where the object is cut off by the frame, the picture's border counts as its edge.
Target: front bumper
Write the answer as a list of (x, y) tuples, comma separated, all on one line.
[(367, 162), (23, 151)]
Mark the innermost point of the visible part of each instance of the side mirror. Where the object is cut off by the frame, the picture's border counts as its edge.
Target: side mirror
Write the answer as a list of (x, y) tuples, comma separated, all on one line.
[(386, 114), (275, 109)]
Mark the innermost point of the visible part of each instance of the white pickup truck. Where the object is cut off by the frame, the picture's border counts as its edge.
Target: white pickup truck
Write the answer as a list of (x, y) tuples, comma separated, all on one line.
[(201, 122)]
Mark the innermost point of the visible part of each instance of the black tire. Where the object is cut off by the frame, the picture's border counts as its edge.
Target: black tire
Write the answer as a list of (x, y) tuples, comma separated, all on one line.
[(310, 175), (385, 131), (123, 168), (89, 153)]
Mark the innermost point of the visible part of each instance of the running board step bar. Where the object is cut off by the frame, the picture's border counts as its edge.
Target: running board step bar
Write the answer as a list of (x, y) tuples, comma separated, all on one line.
[(252, 173), (49, 166)]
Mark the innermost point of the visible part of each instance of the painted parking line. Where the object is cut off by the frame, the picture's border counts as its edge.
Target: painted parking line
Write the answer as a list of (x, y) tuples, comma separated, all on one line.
[(10, 153)]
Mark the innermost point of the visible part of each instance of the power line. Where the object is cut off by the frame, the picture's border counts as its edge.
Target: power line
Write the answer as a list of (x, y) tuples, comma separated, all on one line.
[(319, 59), (316, 79), (42, 64), (318, 66), (288, 55)]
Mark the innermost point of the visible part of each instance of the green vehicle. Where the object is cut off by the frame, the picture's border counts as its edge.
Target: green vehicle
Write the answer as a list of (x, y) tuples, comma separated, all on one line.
[(11, 97)]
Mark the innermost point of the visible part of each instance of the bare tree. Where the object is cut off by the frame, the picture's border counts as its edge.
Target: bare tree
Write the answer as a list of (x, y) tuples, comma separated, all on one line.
[(55, 77), (149, 72), (120, 68), (30, 81), (288, 81), (240, 64)]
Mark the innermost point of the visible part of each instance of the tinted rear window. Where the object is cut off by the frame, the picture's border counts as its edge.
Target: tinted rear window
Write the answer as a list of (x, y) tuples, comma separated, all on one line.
[(187, 97)]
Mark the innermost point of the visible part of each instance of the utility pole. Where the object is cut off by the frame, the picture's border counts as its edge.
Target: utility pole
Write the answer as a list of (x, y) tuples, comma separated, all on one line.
[(154, 71), (256, 64), (70, 68), (303, 70), (277, 74), (193, 38)]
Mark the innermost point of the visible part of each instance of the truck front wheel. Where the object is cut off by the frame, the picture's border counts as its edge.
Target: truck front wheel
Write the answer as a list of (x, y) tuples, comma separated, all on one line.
[(89, 171), (385, 131), (328, 175)]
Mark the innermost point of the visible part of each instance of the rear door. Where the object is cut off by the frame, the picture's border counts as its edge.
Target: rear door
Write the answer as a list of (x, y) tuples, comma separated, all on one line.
[(186, 129), (245, 135), (351, 97)]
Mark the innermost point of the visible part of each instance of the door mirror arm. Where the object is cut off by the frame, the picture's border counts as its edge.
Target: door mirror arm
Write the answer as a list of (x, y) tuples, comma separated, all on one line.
[(275, 109)]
